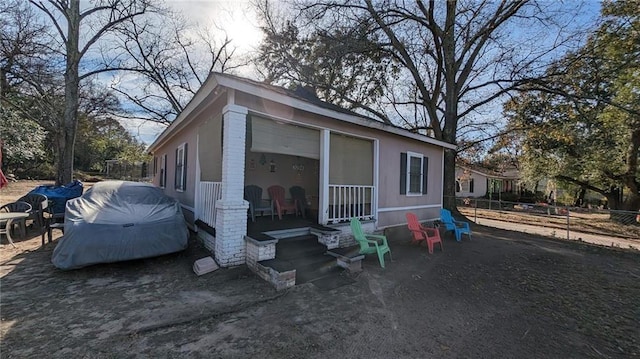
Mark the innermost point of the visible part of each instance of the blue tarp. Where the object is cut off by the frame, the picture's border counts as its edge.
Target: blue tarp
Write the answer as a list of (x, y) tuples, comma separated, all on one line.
[(59, 195)]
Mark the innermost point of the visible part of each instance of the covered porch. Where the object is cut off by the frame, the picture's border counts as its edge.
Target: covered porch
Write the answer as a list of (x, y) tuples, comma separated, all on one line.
[(336, 170)]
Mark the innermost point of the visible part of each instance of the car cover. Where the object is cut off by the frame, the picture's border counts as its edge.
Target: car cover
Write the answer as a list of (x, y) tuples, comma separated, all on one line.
[(119, 220)]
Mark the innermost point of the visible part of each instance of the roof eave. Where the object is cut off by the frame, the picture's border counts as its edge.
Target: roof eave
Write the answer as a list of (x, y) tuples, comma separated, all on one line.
[(215, 79), (203, 92), (300, 104)]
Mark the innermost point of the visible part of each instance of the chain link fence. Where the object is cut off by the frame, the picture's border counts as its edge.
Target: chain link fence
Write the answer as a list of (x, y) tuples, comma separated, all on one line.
[(602, 226)]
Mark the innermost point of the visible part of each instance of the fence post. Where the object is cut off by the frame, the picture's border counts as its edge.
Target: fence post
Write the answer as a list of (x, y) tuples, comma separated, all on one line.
[(475, 210), (568, 215)]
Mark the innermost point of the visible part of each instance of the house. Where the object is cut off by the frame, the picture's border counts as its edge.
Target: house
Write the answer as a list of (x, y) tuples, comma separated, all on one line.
[(474, 181), (237, 132)]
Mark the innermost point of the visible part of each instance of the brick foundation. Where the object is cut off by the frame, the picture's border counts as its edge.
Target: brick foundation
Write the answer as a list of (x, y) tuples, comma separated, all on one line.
[(330, 239), (259, 251), (208, 240), (280, 280)]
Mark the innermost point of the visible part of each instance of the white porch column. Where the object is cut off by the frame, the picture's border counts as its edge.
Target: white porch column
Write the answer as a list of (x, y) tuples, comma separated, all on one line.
[(323, 198), (231, 215), (198, 203), (376, 179)]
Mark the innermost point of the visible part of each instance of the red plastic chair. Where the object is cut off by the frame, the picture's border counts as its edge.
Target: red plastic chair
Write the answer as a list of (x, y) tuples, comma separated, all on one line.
[(422, 233), (277, 196)]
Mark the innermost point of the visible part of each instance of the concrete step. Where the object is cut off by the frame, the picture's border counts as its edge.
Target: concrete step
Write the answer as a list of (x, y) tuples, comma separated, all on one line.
[(299, 247), (308, 258)]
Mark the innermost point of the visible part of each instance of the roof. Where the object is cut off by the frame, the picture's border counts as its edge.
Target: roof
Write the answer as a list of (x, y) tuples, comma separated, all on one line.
[(299, 99), (506, 174)]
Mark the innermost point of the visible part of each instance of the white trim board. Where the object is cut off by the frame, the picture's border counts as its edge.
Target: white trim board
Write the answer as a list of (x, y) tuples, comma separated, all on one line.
[(422, 206)]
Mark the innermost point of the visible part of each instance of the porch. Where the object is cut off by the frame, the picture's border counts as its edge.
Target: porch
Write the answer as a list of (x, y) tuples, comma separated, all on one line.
[(344, 203), (293, 250), (333, 175)]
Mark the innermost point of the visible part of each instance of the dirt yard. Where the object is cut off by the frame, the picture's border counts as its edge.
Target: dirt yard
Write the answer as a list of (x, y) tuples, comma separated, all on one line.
[(500, 295)]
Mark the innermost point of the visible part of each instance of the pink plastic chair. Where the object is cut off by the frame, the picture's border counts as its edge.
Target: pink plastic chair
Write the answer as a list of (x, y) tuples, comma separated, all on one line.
[(422, 233), (277, 196)]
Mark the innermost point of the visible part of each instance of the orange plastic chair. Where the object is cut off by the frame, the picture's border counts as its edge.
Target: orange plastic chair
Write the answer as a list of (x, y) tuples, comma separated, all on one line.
[(282, 206), (422, 233)]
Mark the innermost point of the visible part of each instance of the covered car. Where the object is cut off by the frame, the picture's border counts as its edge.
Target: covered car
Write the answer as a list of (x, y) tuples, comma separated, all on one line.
[(119, 220)]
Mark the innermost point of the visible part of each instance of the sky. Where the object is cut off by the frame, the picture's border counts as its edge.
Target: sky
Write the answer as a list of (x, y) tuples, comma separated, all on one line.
[(237, 18), (241, 24)]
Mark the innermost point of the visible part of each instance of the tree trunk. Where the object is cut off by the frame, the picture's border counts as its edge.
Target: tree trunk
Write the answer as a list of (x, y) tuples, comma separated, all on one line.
[(613, 198), (67, 137), (449, 185), (579, 200), (451, 108)]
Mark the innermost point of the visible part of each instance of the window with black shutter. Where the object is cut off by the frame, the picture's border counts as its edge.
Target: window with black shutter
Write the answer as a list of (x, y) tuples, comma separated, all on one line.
[(414, 170), (181, 168), (163, 171)]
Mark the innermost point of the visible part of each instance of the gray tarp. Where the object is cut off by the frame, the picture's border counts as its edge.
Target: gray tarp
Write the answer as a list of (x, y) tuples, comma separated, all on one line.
[(119, 220)]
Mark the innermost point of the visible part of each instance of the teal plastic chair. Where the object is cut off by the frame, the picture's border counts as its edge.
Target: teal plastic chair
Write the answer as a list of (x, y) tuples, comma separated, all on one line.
[(370, 243), (458, 227)]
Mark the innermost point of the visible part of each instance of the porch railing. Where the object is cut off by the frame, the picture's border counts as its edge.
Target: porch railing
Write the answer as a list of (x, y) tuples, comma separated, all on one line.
[(210, 193), (346, 201)]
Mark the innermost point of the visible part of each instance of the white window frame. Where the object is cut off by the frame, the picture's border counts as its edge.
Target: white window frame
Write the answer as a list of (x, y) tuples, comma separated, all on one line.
[(180, 184), (465, 185), (163, 171), (421, 180)]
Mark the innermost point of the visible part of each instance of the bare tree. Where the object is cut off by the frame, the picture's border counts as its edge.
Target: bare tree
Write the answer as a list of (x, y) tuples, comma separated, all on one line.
[(21, 44), (342, 65), (168, 63), (78, 31), (455, 57)]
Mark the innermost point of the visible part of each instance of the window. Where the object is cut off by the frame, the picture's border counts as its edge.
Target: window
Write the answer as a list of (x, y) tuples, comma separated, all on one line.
[(163, 171), (181, 167), (155, 165), (413, 174), (464, 185)]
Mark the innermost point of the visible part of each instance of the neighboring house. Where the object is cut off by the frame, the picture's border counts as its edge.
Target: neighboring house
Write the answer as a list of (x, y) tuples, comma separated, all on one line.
[(237, 132), (478, 182)]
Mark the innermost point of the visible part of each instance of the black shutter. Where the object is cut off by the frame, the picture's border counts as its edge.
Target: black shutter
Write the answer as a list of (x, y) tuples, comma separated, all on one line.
[(425, 174), (164, 175), (403, 173), (471, 186), (175, 170), (184, 168), (249, 132)]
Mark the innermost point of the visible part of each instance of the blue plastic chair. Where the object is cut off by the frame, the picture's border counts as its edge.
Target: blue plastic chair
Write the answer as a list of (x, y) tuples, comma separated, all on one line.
[(458, 227), (253, 194)]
